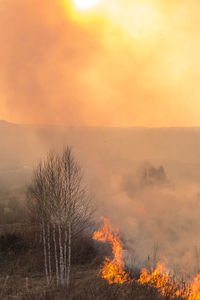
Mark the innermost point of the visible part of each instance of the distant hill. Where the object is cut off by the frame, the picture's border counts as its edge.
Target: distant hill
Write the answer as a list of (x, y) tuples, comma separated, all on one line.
[(112, 151)]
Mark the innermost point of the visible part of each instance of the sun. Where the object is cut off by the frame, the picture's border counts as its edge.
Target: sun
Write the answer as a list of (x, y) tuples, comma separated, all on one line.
[(86, 4), (138, 19)]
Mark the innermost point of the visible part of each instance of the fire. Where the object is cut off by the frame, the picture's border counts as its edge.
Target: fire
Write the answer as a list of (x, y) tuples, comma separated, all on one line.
[(159, 278), (193, 291), (168, 286), (112, 270)]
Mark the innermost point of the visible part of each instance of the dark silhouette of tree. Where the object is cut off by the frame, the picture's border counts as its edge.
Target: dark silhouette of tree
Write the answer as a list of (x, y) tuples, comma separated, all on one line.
[(151, 175)]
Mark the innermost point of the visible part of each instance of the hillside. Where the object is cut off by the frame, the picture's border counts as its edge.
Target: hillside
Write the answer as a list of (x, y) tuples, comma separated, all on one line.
[(119, 150)]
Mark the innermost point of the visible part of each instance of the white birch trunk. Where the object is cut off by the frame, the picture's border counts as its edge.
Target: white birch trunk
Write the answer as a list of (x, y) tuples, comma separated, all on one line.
[(49, 251), (56, 254), (69, 254), (61, 253), (65, 254), (45, 252)]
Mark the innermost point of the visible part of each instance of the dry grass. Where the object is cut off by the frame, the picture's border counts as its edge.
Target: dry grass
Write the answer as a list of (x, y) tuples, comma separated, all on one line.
[(22, 277), (85, 285)]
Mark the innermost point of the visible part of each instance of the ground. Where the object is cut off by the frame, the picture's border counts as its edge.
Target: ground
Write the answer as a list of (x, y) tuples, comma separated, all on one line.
[(85, 285)]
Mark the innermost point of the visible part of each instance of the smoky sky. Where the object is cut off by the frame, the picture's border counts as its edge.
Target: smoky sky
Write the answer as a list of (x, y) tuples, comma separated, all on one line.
[(101, 70)]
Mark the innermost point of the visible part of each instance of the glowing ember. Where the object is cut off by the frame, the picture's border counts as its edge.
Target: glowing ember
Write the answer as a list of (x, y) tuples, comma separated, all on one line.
[(112, 270)]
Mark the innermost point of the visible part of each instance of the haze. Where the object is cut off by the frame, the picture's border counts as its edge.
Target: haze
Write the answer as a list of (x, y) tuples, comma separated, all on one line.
[(162, 215), (117, 63), (74, 71)]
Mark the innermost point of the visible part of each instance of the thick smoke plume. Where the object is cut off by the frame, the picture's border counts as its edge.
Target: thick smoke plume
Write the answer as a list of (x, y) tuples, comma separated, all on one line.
[(58, 68), (135, 67)]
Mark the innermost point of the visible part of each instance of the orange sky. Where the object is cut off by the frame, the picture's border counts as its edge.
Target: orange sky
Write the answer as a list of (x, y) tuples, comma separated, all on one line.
[(119, 63)]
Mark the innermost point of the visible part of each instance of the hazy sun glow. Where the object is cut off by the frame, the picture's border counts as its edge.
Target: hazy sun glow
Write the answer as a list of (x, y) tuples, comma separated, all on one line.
[(86, 4), (144, 16), (138, 18), (127, 57)]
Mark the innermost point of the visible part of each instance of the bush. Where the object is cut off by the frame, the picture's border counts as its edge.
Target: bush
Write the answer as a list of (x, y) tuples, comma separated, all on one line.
[(12, 243), (83, 250)]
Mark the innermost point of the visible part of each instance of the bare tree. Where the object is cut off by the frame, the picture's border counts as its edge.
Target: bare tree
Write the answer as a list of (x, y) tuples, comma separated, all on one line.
[(61, 203)]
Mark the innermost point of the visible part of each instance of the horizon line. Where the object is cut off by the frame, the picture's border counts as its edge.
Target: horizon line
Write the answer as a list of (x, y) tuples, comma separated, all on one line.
[(99, 126)]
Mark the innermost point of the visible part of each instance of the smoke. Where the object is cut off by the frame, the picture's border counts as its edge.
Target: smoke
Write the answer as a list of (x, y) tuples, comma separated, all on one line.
[(132, 66), (158, 221), (58, 68), (154, 204), (42, 53)]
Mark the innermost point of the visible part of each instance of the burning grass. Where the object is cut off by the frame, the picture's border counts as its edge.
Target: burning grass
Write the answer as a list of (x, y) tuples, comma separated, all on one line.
[(113, 281), (112, 270), (160, 279)]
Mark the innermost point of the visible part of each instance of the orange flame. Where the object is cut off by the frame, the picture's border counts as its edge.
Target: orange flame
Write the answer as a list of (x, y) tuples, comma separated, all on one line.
[(112, 270), (167, 286), (193, 290), (160, 278)]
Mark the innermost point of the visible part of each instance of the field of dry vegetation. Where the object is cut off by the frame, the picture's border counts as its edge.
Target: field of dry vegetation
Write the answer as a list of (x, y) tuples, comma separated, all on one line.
[(47, 250), (22, 277), (22, 274)]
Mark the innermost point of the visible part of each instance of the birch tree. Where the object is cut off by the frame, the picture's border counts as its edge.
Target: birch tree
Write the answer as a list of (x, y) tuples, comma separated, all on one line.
[(62, 206)]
